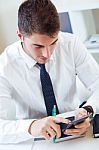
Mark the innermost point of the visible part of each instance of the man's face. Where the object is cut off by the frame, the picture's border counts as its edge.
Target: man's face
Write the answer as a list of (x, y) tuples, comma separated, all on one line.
[(40, 47)]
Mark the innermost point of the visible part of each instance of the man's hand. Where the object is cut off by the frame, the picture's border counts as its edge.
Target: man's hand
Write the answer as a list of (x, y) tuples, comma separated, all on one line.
[(82, 127), (47, 127)]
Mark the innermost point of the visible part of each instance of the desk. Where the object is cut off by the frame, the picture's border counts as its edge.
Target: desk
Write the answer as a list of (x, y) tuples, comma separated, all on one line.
[(83, 143), (21, 146)]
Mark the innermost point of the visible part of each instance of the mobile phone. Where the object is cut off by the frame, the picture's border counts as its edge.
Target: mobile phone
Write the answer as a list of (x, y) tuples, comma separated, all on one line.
[(71, 125)]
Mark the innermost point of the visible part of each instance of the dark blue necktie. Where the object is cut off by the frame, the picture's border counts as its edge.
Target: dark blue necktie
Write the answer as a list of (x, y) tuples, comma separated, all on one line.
[(47, 89)]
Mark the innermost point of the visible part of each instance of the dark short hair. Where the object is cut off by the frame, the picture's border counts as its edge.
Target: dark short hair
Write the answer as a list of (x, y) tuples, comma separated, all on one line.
[(38, 16)]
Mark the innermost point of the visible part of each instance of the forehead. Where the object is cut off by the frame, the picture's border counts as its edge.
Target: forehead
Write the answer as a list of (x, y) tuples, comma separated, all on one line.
[(42, 39)]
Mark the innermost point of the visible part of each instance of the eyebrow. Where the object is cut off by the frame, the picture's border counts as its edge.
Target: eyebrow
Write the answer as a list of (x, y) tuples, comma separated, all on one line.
[(43, 45)]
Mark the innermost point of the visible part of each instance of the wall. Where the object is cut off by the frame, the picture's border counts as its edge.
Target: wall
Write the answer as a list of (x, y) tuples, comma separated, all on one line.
[(96, 19), (68, 5), (8, 22), (80, 21)]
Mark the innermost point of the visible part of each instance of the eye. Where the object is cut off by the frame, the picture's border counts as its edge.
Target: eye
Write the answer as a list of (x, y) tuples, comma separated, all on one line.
[(37, 46)]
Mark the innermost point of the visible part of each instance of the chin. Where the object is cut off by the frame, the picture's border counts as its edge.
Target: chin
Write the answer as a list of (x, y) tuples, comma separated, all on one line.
[(42, 61)]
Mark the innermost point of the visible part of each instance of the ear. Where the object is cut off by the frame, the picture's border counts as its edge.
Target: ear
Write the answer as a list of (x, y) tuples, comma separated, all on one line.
[(20, 35)]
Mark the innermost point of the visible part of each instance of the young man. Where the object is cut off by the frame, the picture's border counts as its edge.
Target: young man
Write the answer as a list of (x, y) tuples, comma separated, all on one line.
[(64, 56)]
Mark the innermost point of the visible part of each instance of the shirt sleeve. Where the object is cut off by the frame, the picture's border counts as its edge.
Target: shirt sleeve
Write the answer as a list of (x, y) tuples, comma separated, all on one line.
[(14, 131), (88, 71), (11, 130)]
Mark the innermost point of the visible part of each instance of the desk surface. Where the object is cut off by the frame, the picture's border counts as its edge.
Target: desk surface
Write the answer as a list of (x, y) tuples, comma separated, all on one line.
[(87, 142), (83, 143), (21, 146)]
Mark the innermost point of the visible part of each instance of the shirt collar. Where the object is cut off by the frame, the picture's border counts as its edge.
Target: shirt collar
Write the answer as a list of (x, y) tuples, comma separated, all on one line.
[(29, 60)]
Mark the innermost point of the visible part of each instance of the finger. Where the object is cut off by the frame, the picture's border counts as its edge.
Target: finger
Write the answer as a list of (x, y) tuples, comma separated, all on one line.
[(51, 132), (80, 113), (72, 131), (84, 124), (46, 135), (75, 131), (50, 122), (79, 129), (56, 128), (61, 119)]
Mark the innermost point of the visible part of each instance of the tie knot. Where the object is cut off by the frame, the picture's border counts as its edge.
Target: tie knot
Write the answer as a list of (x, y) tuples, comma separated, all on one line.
[(42, 66)]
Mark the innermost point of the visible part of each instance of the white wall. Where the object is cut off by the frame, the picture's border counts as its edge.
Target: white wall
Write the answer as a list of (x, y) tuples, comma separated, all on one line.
[(80, 21), (8, 22), (96, 19), (68, 5)]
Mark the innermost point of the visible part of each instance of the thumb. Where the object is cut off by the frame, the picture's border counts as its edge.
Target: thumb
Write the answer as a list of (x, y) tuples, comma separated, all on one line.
[(61, 120)]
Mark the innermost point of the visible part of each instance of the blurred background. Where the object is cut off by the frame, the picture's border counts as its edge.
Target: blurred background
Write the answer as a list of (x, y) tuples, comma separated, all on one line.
[(8, 22)]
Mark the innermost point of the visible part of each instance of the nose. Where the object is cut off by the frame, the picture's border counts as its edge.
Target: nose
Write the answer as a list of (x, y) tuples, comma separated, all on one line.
[(46, 52)]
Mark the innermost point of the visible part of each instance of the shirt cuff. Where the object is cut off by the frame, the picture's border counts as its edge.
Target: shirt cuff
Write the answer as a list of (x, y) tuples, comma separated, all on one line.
[(24, 125), (22, 130)]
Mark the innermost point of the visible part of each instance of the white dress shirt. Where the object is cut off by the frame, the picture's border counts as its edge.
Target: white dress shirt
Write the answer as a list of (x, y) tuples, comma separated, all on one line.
[(20, 83)]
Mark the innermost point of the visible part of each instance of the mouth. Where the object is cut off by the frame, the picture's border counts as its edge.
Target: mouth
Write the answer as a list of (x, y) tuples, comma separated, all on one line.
[(42, 60)]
